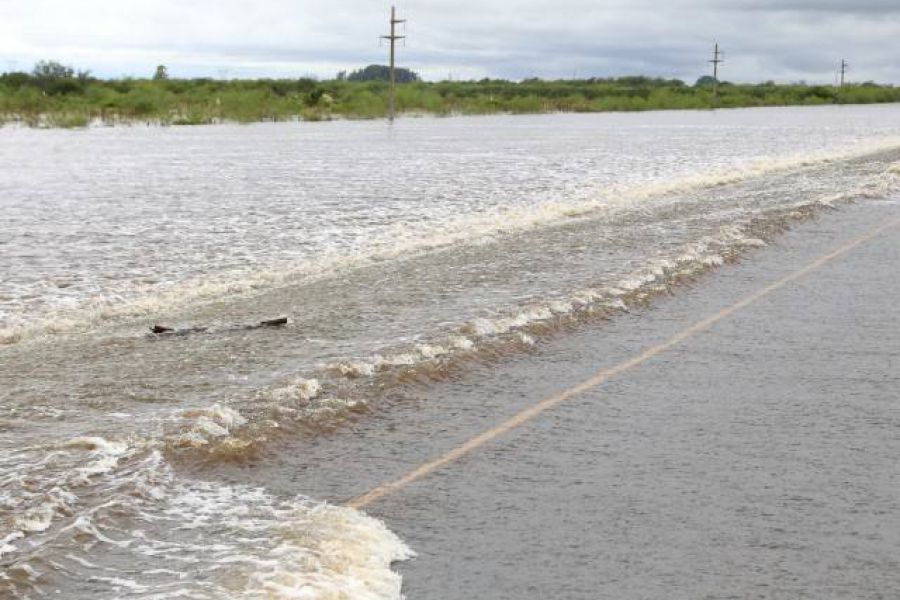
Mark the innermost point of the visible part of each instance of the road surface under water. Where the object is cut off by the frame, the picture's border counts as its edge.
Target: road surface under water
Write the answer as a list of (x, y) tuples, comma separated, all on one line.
[(755, 459), (438, 277)]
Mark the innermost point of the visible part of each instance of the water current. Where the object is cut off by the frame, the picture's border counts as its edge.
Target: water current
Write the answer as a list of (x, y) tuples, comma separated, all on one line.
[(401, 256)]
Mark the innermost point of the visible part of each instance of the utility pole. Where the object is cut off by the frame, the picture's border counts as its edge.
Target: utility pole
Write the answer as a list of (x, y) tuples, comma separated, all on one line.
[(393, 37), (716, 61), (840, 95)]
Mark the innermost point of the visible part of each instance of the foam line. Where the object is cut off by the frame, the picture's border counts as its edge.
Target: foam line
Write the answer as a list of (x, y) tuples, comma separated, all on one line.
[(407, 240)]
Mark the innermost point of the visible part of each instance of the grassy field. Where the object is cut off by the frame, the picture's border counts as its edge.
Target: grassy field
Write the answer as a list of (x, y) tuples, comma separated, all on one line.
[(70, 100)]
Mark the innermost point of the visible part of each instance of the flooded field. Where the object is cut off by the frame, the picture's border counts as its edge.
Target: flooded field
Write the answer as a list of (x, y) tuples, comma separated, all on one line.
[(435, 255)]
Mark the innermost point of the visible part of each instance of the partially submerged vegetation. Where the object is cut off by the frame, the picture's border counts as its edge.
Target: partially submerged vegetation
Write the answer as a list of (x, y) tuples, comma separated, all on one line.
[(54, 95)]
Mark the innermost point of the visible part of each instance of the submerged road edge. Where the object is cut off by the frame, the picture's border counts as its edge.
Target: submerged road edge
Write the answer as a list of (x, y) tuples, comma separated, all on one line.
[(603, 376)]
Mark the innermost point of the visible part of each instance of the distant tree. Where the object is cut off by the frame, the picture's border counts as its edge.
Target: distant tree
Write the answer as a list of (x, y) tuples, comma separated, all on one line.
[(341, 76), (50, 69), (161, 74), (383, 73), (53, 77), (705, 81), (16, 80)]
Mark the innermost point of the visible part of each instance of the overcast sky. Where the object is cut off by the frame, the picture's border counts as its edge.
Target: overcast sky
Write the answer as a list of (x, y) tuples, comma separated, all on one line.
[(783, 40)]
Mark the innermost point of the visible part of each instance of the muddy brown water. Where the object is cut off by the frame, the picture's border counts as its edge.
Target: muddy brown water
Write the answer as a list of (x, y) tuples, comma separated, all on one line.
[(755, 460), (216, 464)]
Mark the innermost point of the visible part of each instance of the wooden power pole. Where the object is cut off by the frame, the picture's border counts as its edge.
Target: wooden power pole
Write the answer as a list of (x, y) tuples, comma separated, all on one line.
[(393, 37), (844, 66), (716, 61)]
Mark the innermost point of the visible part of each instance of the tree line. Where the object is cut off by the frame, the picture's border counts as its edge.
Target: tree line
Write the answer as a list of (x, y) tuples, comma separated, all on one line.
[(53, 94)]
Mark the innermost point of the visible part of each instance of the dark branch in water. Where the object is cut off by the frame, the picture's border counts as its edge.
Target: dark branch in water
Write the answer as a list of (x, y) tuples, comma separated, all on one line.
[(271, 323), (163, 330)]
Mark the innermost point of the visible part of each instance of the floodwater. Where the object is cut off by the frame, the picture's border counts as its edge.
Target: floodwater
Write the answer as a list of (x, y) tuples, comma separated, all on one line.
[(426, 269)]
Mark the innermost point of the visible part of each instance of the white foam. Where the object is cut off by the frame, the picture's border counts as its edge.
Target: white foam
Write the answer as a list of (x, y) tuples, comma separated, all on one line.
[(526, 339), (120, 583), (104, 454), (709, 251), (560, 307), (299, 389), (35, 520), (428, 351), (369, 367), (459, 342), (354, 368), (84, 524), (201, 539), (395, 360), (23, 572), (6, 544), (404, 240), (97, 444), (328, 411), (200, 426), (282, 549)]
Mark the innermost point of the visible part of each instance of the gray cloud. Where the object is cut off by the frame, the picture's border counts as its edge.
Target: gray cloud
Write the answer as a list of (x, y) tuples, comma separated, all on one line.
[(842, 6), (785, 40)]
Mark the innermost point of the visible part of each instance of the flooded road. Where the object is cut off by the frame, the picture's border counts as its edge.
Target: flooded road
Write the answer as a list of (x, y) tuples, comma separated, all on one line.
[(753, 459), (215, 464)]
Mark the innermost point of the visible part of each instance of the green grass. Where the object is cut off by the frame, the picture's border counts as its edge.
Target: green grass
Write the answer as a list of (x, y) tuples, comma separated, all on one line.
[(76, 102)]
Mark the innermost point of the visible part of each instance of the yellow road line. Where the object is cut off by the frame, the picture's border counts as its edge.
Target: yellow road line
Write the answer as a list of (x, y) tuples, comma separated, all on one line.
[(601, 377)]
